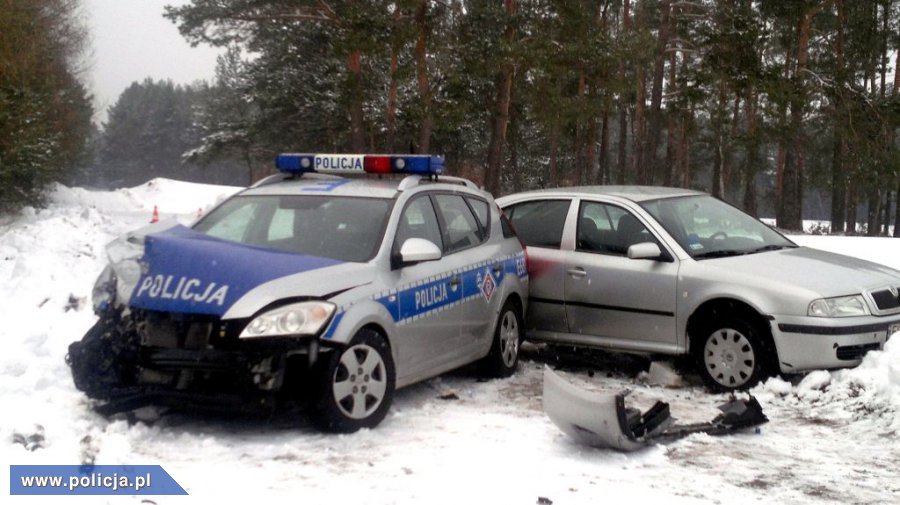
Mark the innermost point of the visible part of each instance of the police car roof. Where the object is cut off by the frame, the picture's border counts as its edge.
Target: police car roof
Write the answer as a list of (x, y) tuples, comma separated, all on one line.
[(313, 184)]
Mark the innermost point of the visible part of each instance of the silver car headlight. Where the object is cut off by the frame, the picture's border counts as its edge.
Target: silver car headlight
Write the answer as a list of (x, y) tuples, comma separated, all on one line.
[(304, 318), (841, 306)]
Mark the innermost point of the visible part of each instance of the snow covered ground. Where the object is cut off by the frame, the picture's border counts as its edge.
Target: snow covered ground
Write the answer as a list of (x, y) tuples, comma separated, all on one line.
[(832, 436)]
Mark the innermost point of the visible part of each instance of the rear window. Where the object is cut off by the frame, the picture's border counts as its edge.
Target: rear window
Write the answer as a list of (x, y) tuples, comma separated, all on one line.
[(539, 223)]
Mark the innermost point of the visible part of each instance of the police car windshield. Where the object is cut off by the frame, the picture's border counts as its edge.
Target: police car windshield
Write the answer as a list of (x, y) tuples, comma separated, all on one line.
[(340, 228)]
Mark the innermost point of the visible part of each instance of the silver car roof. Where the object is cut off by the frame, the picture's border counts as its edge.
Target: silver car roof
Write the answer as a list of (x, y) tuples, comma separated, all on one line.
[(633, 193)]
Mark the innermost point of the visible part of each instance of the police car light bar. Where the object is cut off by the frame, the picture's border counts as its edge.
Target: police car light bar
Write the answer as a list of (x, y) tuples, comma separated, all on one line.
[(414, 164)]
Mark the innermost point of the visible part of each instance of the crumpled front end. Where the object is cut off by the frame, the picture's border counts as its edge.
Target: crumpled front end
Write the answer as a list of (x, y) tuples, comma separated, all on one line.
[(603, 420), (185, 360)]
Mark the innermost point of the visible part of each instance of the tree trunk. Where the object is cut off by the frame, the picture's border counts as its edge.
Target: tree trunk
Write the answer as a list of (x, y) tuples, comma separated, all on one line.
[(553, 175), (886, 213), (515, 118), (896, 92), (503, 84), (752, 158), (897, 210), (650, 150), (718, 142), (357, 133), (852, 203), (873, 221), (391, 134), (838, 196), (422, 76), (838, 209), (590, 155), (603, 172), (671, 128), (579, 147), (795, 159), (622, 161)]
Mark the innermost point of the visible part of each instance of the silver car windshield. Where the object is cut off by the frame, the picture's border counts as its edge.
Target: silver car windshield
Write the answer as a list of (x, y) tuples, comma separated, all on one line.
[(709, 228), (340, 228)]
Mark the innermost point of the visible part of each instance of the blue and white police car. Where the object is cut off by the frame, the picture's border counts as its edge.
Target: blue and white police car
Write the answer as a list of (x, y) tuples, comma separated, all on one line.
[(307, 286)]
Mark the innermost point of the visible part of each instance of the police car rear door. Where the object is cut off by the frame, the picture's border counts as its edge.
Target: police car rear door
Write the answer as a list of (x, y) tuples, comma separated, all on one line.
[(478, 265)]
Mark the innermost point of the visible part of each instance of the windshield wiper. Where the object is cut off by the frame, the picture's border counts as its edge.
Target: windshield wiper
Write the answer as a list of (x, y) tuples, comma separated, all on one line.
[(770, 247), (723, 253)]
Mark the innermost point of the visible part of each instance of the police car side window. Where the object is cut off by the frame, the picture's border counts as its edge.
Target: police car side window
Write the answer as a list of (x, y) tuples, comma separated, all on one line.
[(460, 225), (540, 223), (481, 212), (419, 221)]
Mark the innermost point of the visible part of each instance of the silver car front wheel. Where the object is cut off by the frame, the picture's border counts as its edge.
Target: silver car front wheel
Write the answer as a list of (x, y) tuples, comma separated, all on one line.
[(731, 355), (729, 358)]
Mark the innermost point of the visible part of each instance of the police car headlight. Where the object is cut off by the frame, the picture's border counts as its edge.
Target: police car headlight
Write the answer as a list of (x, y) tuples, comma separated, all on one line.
[(104, 288), (304, 318)]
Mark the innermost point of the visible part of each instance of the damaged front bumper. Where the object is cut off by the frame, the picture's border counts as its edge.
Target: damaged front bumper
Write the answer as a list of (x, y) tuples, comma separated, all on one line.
[(128, 363), (603, 420)]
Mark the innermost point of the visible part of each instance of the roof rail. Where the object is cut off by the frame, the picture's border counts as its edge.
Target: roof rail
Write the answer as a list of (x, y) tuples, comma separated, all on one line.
[(448, 179), (272, 179), (281, 177), (412, 181)]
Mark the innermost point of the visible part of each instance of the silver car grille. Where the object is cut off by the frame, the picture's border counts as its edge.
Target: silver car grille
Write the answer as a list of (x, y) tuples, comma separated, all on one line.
[(886, 300)]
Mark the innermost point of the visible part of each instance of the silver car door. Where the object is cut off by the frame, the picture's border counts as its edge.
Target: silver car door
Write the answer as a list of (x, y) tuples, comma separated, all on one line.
[(427, 330), (612, 300), (540, 224)]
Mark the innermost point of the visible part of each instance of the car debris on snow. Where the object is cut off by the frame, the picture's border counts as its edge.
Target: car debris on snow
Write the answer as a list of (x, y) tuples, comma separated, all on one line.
[(603, 420)]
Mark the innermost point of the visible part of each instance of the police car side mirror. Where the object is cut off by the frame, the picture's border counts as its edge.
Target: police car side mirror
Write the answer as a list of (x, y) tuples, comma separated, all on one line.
[(415, 250)]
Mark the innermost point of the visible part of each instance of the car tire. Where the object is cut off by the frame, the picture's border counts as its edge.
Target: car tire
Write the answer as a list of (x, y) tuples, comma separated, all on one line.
[(356, 385), (503, 357), (731, 354)]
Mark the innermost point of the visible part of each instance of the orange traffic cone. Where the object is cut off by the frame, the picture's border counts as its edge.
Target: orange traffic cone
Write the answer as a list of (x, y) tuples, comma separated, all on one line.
[(155, 217)]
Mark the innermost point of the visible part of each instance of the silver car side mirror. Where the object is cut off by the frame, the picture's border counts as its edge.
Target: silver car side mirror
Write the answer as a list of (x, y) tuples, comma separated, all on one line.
[(644, 251), (415, 250)]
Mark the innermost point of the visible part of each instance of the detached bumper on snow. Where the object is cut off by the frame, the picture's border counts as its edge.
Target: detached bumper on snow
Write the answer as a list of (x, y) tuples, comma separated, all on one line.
[(603, 420)]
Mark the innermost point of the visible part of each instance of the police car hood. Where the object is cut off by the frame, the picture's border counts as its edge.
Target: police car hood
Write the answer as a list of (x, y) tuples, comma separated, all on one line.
[(185, 271)]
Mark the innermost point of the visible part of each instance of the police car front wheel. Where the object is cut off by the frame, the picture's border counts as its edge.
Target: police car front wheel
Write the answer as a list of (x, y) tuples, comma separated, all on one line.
[(356, 385)]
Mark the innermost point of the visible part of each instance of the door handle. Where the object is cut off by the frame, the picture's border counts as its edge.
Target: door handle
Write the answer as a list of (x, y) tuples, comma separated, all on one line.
[(454, 281), (497, 269), (577, 272)]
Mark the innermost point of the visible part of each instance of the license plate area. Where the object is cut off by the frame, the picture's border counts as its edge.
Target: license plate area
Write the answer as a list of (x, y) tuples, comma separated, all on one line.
[(894, 328)]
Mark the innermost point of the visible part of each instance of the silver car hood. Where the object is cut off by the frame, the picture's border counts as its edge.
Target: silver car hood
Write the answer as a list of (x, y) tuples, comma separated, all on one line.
[(825, 273)]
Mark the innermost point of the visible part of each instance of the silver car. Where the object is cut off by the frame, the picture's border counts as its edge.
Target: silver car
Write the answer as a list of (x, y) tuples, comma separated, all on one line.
[(331, 290), (672, 271)]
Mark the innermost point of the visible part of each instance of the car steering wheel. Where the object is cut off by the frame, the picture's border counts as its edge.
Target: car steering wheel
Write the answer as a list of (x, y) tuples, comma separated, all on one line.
[(718, 235)]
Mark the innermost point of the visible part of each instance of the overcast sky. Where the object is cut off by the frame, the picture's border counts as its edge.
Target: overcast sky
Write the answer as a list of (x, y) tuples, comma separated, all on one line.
[(130, 40)]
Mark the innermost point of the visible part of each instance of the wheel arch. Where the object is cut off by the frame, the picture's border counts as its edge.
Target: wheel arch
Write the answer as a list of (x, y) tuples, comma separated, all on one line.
[(711, 309)]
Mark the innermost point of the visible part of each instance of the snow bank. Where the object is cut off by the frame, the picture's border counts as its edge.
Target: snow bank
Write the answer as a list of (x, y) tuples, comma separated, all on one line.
[(49, 260), (868, 394)]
